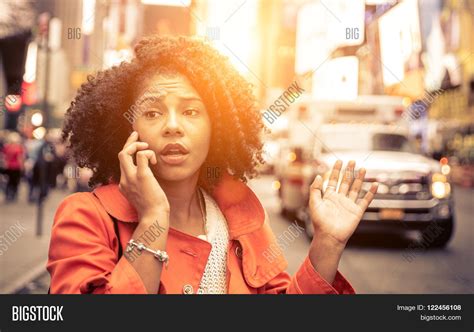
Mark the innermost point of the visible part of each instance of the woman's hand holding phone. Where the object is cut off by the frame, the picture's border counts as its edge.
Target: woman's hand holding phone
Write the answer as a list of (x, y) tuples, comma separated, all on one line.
[(138, 183), (143, 191)]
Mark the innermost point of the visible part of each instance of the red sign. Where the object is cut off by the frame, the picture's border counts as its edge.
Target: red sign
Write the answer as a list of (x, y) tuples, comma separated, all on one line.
[(13, 103), (29, 93)]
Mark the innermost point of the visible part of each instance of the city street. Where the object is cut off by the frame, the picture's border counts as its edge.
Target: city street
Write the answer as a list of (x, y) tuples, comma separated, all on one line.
[(24, 259), (288, 88), (372, 263), (375, 264)]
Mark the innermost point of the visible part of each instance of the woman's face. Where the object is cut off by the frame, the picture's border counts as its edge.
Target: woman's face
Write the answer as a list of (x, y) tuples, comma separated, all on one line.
[(172, 119)]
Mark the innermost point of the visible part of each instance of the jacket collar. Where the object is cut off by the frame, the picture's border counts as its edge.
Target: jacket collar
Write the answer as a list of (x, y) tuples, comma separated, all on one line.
[(241, 207)]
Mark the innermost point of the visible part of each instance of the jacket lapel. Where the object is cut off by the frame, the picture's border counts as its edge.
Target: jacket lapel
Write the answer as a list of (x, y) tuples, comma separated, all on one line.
[(246, 219)]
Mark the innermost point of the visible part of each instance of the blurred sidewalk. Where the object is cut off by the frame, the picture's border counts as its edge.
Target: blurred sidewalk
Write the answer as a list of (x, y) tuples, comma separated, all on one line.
[(25, 257)]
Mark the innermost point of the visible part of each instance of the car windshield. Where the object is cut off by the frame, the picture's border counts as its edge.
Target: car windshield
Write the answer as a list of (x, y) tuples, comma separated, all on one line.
[(349, 140), (363, 140), (391, 142)]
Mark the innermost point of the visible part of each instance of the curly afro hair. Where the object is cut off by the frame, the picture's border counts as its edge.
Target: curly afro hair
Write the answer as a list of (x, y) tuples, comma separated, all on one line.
[(96, 127)]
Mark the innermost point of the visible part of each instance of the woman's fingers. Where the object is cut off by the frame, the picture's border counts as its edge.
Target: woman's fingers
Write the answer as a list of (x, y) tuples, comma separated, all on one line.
[(126, 160), (126, 157), (316, 188), (143, 157), (369, 196), (127, 166), (355, 189), (334, 177), (131, 149), (347, 178), (132, 138)]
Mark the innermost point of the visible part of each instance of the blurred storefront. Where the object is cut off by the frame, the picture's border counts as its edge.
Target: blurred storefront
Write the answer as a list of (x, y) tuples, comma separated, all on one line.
[(452, 112), (420, 50), (456, 69), (17, 20)]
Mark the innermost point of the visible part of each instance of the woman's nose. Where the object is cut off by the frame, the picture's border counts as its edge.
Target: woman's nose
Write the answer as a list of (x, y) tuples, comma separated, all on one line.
[(172, 125)]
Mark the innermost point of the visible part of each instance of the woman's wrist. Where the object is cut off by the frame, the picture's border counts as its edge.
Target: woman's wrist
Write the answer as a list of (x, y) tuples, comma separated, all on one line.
[(152, 230), (327, 242), (152, 214), (325, 254), (325, 247), (160, 219)]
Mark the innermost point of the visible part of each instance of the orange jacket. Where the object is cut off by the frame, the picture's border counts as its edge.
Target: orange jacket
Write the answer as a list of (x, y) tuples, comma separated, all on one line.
[(84, 249)]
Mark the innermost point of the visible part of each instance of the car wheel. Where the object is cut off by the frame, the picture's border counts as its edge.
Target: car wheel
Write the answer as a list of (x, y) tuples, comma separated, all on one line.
[(445, 234)]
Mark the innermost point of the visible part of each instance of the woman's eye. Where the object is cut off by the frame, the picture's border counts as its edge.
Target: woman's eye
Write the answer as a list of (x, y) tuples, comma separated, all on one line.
[(152, 114), (191, 112)]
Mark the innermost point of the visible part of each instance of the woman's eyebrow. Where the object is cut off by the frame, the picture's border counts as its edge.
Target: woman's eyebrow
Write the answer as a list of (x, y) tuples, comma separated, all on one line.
[(149, 96), (190, 98), (158, 98)]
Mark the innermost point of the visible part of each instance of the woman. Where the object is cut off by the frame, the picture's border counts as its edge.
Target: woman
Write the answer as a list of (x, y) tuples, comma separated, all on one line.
[(185, 128)]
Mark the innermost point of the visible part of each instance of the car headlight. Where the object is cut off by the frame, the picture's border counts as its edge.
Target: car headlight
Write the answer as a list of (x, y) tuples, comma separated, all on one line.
[(444, 211), (445, 169), (440, 188), (291, 156)]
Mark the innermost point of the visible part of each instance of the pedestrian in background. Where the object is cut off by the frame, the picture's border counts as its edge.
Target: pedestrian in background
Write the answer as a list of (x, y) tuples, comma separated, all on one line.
[(14, 157), (33, 149), (44, 171)]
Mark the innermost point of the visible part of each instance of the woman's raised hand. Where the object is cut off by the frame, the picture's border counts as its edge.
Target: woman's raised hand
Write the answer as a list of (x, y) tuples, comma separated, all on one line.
[(336, 213)]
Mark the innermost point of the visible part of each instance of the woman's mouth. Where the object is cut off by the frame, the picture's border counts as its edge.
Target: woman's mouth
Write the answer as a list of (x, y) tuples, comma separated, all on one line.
[(174, 154)]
